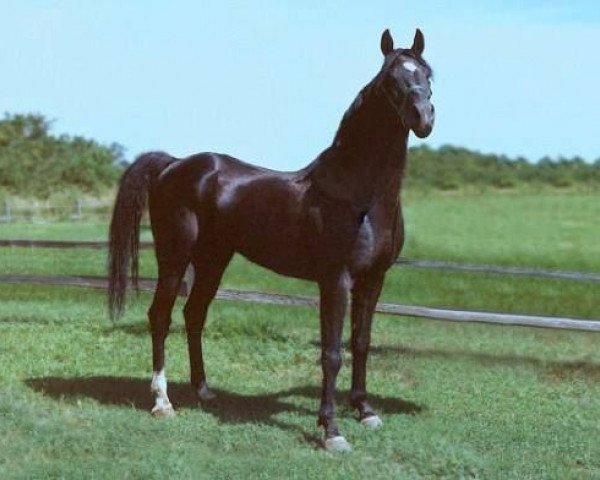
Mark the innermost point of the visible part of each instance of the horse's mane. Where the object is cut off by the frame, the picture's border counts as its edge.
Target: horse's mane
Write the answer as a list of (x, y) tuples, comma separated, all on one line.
[(358, 101)]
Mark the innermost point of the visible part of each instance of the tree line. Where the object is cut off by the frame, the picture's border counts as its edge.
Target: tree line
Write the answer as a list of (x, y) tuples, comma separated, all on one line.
[(453, 168), (34, 163)]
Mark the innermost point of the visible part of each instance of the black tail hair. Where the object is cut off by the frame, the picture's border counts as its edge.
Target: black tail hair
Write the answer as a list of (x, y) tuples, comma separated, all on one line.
[(124, 236)]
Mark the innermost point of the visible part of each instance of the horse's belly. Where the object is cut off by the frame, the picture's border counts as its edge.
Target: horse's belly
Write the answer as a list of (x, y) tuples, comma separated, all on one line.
[(279, 250), (265, 226)]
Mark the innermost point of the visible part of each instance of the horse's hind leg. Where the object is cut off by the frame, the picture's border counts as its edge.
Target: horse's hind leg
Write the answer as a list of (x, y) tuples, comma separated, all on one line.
[(160, 319), (209, 265), (173, 245)]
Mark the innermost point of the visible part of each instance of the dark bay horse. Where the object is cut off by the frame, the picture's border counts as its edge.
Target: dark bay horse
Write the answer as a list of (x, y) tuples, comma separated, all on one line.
[(337, 222)]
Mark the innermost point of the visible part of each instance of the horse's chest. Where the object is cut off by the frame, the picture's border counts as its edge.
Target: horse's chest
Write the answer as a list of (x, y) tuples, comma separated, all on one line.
[(374, 245), (360, 240)]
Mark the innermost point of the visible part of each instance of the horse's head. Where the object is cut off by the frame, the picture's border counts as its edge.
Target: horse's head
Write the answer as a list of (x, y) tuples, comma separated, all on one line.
[(405, 80)]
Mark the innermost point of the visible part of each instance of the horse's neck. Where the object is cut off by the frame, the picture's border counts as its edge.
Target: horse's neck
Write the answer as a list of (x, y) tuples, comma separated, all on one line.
[(368, 154)]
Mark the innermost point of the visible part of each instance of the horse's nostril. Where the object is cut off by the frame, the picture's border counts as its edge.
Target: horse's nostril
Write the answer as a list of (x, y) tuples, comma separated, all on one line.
[(414, 114)]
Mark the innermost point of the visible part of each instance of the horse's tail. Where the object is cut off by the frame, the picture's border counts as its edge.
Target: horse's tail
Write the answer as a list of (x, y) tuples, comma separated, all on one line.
[(124, 236)]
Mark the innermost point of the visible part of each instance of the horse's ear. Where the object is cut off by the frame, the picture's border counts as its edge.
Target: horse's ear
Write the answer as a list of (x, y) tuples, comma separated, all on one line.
[(387, 42), (418, 43)]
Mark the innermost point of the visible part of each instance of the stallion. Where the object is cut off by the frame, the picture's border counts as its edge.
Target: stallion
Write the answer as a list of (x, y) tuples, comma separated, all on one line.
[(337, 222)]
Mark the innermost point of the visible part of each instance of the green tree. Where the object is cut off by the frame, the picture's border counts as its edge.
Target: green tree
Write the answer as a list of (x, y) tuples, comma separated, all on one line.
[(33, 162)]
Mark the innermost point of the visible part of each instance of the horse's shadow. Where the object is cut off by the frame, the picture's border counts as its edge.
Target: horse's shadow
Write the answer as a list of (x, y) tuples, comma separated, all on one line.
[(550, 369), (228, 407)]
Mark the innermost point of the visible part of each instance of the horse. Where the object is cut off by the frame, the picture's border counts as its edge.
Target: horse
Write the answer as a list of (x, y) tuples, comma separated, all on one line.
[(337, 222)]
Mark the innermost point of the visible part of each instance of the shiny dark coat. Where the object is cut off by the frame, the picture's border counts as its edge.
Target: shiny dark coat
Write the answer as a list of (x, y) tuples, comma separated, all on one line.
[(337, 222)]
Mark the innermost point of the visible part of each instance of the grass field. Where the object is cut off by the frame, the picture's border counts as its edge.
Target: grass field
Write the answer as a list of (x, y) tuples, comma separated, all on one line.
[(458, 401)]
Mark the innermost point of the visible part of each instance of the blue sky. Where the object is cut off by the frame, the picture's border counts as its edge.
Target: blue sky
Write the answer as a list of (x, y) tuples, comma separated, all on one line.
[(269, 81)]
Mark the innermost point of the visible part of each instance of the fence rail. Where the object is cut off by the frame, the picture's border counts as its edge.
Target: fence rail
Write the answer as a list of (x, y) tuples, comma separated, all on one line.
[(427, 264), (96, 245), (501, 270), (75, 209), (461, 316), (295, 300)]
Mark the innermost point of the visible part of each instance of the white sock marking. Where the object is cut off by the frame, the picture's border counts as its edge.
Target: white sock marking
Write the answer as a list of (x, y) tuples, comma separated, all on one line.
[(159, 388)]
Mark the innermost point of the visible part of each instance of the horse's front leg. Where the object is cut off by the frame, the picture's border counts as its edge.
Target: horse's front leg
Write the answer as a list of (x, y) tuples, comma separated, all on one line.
[(334, 297), (364, 298)]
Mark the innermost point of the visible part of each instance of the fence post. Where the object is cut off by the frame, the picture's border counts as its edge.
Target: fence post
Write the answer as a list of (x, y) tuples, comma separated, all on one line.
[(6, 207), (78, 215)]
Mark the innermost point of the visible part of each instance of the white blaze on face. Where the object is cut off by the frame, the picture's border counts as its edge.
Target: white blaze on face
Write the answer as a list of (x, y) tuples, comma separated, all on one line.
[(410, 66)]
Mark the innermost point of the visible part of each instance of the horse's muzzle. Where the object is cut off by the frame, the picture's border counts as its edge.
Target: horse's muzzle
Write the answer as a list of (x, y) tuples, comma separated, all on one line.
[(420, 118)]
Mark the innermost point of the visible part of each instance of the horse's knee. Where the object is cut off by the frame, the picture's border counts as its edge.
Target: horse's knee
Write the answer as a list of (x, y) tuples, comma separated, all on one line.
[(332, 360)]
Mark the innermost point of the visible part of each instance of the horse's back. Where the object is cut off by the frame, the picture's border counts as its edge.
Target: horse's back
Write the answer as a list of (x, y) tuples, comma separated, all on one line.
[(230, 170)]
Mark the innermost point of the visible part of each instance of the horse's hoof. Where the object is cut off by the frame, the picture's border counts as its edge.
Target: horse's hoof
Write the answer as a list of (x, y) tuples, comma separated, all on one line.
[(372, 421), (337, 444), (205, 395), (164, 411)]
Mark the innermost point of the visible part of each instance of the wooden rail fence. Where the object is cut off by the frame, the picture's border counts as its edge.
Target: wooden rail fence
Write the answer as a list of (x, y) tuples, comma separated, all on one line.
[(428, 264), (303, 301), (296, 300)]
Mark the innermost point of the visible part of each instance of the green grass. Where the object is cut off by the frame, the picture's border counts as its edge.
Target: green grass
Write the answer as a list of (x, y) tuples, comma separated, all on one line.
[(458, 401), (550, 230), (73, 231)]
